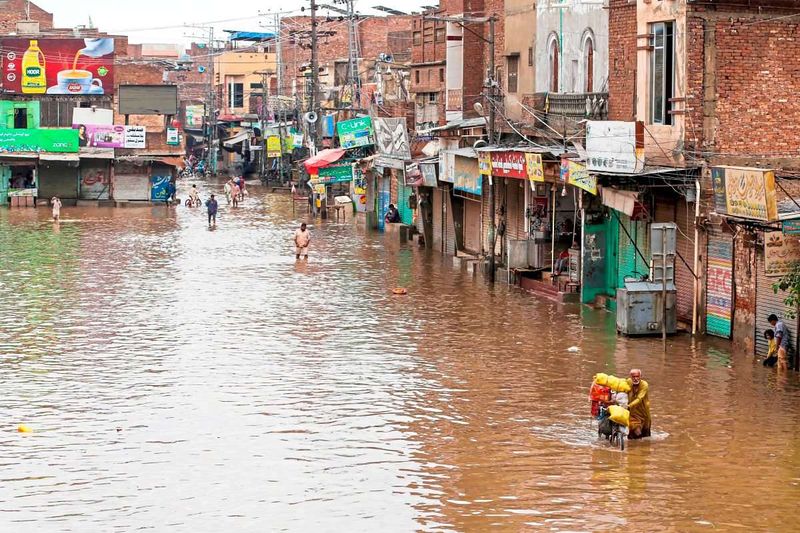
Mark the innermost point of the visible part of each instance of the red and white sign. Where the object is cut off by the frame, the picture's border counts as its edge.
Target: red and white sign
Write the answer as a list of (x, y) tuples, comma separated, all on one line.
[(509, 165)]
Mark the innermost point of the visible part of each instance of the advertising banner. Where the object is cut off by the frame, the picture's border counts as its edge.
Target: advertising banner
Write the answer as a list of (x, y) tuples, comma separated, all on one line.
[(614, 146), (173, 137), (428, 174), (780, 253), (114, 136), (579, 177), (336, 174), (535, 169), (355, 132), (273, 146), (791, 227), (58, 66), (194, 117), (467, 177), (509, 165), (745, 192), (485, 163), (359, 190), (56, 141)]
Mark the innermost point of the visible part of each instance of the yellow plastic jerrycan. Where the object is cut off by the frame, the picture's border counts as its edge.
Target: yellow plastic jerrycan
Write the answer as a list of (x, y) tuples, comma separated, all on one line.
[(34, 78)]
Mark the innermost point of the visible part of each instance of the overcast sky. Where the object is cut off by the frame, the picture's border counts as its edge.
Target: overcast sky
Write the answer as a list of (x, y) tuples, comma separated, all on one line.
[(146, 21)]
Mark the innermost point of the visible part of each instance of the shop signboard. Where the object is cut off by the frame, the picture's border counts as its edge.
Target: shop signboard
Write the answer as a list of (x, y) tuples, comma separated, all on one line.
[(615, 146), (173, 138), (748, 192), (781, 252), (111, 136), (355, 132), (159, 188), (391, 138), (467, 178), (535, 169), (273, 146), (58, 66), (447, 163), (40, 140), (580, 177), (194, 117), (428, 174), (359, 190), (509, 165), (336, 174)]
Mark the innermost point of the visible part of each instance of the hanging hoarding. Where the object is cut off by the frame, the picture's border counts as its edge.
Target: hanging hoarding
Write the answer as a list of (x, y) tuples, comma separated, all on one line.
[(113, 136), (273, 146), (355, 132), (466, 177), (745, 192), (615, 146), (485, 163), (428, 174), (578, 176), (40, 140), (391, 138), (58, 66), (535, 169)]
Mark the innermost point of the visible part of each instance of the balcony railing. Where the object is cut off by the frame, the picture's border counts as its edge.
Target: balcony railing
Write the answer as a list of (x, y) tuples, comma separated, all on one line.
[(592, 106)]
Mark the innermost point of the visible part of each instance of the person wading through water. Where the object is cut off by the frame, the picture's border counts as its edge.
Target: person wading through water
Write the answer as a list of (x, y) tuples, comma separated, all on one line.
[(639, 406)]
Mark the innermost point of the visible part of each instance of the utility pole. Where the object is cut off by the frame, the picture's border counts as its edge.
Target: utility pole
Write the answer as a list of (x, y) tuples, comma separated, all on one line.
[(314, 128), (212, 112), (279, 115), (353, 54), (490, 82)]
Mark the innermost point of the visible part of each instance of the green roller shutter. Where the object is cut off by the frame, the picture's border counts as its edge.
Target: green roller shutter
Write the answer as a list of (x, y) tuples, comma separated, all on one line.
[(631, 264)]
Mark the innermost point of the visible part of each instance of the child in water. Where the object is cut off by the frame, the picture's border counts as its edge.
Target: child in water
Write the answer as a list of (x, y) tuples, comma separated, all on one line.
[(772, 352)]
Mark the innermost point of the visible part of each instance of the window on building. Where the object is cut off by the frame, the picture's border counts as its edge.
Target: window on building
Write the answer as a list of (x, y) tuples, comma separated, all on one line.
[(553, 58), (416, 76), (439, 35), (236, 95), (662, 71), (417, 38), (433, 98), (20, 118), (588, 64), (441, 75), (530, 56), (512, 67)]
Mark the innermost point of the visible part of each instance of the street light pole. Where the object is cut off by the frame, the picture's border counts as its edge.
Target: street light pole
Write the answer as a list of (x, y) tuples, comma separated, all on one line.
[(314, 129)]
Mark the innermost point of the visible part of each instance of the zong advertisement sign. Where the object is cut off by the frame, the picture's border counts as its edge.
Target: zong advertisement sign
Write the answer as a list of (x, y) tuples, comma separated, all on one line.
[(43, 140), (58, 66)]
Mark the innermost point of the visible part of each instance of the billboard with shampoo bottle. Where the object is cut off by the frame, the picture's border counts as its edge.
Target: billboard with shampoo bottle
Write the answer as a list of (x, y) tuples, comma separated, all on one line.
[(58, 66)]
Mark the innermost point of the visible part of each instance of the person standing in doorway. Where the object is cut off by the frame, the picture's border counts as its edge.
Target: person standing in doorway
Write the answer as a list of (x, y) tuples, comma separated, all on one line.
[(302, 238), (212, 206), (782, 340), (56, 203)]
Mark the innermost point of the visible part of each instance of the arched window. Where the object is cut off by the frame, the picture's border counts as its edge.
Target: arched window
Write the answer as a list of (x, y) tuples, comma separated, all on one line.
[(553, 59), (588, 63)]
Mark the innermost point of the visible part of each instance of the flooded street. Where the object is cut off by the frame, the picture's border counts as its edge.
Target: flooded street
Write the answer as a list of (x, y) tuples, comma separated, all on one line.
[(183, 379)]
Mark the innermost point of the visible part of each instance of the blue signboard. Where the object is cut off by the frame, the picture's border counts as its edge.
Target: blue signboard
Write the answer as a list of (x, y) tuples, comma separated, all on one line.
[(791, 227), (159, 188)]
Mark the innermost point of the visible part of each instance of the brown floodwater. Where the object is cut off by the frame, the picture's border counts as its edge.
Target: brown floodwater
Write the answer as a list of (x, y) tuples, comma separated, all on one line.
[(182, 379)]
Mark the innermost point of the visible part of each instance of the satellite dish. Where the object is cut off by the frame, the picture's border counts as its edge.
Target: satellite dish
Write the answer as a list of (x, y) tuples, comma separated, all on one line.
[(478, 108), (201, 69), (311, 117), (480, 143)]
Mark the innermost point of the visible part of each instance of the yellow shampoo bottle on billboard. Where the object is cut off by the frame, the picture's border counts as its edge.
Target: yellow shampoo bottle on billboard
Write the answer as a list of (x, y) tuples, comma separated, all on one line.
[(34, 79)]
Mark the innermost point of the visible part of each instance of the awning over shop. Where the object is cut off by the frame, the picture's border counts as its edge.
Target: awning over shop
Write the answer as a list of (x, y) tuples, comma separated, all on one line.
[(19, 155), (96, 153), (622, 201), (59, 157), (323, 159), (236, 139)]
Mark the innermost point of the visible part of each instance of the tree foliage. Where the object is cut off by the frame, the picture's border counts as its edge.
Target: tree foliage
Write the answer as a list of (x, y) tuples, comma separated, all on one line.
[(790, 284)]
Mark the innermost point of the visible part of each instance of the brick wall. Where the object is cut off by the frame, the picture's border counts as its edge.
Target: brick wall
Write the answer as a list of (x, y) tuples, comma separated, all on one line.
[(622, 60), (12, 11)]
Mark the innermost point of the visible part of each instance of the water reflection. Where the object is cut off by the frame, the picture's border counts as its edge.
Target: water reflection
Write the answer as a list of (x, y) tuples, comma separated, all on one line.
[(193, 380)]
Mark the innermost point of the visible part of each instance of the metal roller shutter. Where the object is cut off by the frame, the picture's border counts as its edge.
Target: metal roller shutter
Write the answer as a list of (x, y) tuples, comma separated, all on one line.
[(404, 192), (438, 216), (58, 179), (515, 214), (684, 280), (450, 227), (472, 226), (719, 280), (485, 215), (767, 302)]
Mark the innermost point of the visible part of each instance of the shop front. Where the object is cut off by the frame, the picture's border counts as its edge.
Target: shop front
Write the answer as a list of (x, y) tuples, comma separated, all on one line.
[(18, 179), (95, 175), (59, 175), (131, 181)]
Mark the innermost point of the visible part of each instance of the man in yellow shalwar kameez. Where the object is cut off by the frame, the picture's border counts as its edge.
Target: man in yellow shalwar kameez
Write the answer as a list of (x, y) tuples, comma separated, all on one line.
[(639, 406)]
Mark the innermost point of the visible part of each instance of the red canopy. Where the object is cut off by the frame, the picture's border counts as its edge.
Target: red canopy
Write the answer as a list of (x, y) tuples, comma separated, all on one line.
[(323, 159)]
